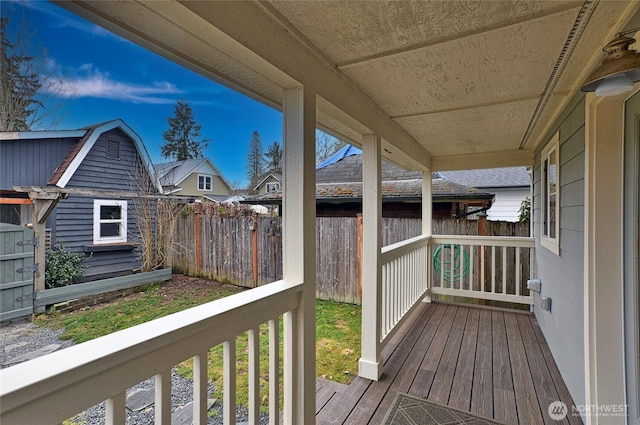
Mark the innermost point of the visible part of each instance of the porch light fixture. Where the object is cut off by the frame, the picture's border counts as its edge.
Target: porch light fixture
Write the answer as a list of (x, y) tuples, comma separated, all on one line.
[(619, 69)]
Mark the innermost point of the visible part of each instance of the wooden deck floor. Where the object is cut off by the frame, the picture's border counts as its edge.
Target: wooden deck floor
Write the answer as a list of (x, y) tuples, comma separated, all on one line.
[(492, 363)]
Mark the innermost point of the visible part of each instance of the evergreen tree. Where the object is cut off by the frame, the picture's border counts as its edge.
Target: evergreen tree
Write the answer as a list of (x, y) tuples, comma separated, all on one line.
[(274, 158), (255, 160), (19, 82), (182, 138)]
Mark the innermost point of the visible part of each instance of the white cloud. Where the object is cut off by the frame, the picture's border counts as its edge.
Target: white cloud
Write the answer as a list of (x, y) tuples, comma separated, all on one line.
[(66, 20), (90, 82)]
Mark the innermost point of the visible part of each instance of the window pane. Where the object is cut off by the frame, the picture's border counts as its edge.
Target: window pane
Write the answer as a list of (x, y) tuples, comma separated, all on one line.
[(552, 172), (109, 229), (545, 200), (110, 212), (552, 216)]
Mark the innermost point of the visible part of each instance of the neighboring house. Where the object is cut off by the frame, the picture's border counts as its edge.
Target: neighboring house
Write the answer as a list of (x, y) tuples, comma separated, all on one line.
[(339, 191), (269, 182), (511, 185), (194, 178), (108, 157)]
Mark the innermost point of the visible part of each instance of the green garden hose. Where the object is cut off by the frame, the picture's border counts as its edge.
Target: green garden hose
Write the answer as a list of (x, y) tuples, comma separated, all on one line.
[(444, 268)]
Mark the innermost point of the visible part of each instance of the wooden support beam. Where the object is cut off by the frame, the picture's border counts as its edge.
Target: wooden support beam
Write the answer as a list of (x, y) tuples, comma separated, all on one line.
[(15, 201)]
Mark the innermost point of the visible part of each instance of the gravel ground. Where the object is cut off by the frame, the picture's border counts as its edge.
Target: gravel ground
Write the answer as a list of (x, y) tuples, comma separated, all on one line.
[(22, 338)]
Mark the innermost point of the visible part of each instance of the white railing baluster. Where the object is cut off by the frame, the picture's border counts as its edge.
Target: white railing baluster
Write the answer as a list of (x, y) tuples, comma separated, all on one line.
[(471, 261), (274, 372), (518, 271), (493, 269), (229, 385), (200, 388), (461, 267), (254, 376), (504, 269), (162, 404), (116, 406), (482, 268)]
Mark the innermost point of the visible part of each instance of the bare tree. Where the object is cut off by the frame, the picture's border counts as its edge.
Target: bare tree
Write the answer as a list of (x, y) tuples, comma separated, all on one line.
[(27, 85), (155, 217), (274, 158), (326, 146)]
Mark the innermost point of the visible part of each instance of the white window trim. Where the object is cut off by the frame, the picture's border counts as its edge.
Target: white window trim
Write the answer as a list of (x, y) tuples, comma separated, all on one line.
[(97, 203), (210, 177), (553, 147)]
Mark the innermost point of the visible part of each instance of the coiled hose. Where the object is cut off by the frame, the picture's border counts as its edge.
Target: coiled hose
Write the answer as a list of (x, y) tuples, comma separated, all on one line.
[(442, 263)]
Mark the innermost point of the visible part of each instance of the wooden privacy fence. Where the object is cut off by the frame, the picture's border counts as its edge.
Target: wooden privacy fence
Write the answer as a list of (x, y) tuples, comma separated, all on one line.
[(247, 251)]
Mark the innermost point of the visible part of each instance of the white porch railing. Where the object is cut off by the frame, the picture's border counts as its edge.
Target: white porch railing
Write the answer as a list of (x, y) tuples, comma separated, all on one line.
[(57, 386), (405, 268), (484, 267)]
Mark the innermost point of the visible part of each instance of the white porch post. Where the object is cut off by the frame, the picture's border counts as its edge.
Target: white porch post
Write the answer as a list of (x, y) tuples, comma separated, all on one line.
[(299, 254), (427, 211), (370, 365), (603, 257)]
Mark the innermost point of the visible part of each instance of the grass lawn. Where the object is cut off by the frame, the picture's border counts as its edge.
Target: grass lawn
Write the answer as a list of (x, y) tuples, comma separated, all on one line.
[(337, 330)]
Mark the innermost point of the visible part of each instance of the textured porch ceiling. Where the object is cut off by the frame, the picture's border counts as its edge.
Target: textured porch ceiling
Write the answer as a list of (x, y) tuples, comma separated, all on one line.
[(453, 80)]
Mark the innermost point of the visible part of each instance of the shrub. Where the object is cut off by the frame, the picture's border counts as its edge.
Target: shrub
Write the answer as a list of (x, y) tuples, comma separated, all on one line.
[(524, 214), (63, 267)]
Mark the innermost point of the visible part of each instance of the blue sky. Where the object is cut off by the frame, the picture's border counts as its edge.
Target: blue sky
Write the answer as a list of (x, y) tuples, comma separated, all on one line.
[(107, 77)]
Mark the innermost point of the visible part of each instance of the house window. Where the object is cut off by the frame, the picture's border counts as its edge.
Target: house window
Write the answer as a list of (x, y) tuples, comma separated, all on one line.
[(272, 187), (113, 149), (550, 199), (204, 182), (109, 221)]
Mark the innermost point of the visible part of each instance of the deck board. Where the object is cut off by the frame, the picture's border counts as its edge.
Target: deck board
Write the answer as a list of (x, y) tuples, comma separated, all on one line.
[(493, 363), (481, 393)]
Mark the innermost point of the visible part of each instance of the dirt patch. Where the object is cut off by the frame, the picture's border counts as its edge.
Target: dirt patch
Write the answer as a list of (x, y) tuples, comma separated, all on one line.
[(188, 285), (179, 286)]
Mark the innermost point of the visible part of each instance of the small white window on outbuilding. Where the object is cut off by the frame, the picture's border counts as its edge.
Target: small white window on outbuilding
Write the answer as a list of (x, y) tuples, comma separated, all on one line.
[(109, 221), (550, 191), (205, 182)]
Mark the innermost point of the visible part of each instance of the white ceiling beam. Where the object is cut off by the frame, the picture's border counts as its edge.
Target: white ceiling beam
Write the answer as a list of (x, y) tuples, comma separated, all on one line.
[(483, 160)]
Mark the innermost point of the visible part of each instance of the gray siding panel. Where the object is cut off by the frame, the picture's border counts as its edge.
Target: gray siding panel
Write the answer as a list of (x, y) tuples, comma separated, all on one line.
[(75, 215), (31, 162), (562, 276)]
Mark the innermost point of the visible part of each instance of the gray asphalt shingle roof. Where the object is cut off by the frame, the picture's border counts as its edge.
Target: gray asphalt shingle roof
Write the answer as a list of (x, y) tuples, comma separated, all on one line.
[(343, 180), (492, 177)]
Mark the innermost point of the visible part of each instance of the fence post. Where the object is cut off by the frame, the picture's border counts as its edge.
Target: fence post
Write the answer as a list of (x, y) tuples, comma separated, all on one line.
[(359, 256), (196, 217)]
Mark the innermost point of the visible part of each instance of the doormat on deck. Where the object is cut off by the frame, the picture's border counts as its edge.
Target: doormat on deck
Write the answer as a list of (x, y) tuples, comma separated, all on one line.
[(409, 410)]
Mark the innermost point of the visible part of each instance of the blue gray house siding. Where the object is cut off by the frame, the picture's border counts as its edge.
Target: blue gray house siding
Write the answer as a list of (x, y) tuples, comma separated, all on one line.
[(31, 162), (563, 275), (74, 216)]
